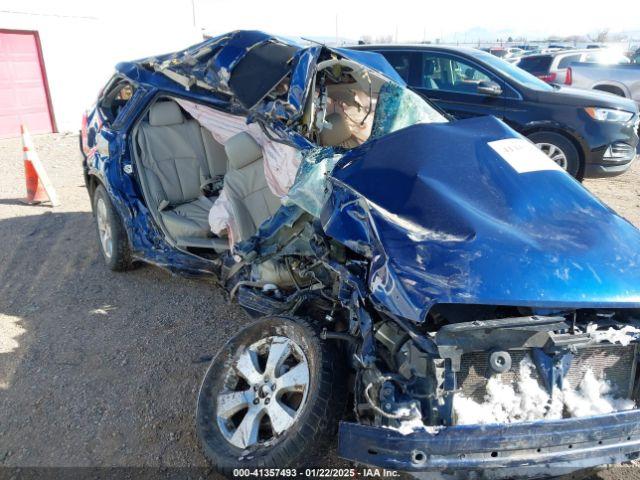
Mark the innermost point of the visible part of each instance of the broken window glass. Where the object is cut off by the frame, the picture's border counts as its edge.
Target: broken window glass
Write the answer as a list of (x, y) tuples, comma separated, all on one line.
[(398, 107)]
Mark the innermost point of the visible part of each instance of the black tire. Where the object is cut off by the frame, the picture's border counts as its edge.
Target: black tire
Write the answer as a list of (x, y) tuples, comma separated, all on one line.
[(308, 438), (574, 164), (120, 258)]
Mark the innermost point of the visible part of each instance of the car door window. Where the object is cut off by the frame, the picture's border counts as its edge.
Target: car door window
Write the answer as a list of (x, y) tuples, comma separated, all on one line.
[(401, 62), (450, 74), (591, 58), (432, 75), (606, 57), (568, 60), (117, 95)]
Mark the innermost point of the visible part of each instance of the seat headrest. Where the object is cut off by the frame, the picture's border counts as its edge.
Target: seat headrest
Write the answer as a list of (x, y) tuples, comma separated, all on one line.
[(429, 67), (242, 150), (163, 114), (339, 132)]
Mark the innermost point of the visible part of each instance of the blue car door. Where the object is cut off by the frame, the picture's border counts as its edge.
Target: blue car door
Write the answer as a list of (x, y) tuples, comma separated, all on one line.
[(103, 136), (455, 84)]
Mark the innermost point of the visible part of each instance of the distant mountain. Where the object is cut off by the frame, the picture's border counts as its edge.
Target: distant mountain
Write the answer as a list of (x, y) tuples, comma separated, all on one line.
[(482, 34)]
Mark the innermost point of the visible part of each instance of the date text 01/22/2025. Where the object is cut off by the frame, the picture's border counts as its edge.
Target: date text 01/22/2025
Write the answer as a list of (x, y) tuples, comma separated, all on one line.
[(315, 472)]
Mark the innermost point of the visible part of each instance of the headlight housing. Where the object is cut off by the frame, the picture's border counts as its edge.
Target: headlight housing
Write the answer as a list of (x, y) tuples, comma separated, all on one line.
[(609, 114)]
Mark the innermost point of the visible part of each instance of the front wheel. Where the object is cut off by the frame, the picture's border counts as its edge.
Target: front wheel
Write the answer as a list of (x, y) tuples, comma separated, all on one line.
[(271, 397), (559, 149)]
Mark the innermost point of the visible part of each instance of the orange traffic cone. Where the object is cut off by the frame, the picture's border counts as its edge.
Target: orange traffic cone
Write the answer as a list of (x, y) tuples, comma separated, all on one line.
[(39, 188)]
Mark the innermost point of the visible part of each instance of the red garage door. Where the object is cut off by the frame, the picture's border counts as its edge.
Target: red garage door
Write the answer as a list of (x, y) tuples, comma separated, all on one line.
[(23, 88)]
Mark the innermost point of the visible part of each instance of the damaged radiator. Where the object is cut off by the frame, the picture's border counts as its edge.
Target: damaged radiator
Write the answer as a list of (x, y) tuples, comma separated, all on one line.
[(614, 363)]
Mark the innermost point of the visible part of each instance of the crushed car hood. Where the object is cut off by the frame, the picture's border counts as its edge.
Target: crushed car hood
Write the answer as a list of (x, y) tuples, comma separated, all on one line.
[(447, 216)]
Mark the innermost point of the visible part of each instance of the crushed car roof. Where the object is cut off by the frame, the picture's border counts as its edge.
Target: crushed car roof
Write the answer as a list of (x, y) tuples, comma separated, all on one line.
[(247, 64)]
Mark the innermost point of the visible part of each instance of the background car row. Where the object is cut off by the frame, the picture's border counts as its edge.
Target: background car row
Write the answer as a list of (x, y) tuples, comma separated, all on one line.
[(587, 133)]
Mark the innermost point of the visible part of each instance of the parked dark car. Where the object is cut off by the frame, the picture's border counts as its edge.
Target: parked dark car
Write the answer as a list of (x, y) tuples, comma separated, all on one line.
[(589, 134)]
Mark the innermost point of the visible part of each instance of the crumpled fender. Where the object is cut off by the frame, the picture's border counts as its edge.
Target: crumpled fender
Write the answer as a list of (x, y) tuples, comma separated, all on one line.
[(445, 218)]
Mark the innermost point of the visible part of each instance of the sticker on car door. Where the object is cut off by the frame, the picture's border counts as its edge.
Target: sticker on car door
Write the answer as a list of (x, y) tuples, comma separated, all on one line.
[(523, 156)]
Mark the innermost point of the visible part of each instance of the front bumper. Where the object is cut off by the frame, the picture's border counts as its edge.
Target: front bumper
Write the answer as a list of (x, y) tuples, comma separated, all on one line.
[(559, 446), (603, 170), (608, 137)]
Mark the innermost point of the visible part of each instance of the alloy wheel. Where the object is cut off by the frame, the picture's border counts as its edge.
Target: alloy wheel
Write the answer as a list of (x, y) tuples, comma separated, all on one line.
[(265, 392), (555, 153)]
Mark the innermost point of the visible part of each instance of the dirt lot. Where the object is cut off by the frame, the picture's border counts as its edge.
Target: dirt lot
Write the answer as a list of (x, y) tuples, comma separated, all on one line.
[(102, 369)]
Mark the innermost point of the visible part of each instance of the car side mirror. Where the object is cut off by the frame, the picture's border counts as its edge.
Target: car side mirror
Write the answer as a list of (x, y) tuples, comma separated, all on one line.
[(489, 88)]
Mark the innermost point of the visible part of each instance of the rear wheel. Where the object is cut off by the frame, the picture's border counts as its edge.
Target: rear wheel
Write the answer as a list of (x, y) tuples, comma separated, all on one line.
[(271, 397), (112, 238), (559, 149)]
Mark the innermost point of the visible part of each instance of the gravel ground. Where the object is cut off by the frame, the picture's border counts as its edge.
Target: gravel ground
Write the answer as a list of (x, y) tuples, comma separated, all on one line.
[(102, 369)]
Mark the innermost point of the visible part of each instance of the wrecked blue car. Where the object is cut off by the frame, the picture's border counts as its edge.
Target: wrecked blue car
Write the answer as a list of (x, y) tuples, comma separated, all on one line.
[(450, 296)]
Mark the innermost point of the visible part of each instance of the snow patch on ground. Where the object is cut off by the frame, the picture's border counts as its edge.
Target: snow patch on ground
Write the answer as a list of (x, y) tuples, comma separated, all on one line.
[(10, 330), (529, 401)]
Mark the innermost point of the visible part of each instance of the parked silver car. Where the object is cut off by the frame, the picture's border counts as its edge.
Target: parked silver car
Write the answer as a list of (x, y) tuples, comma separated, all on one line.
[(622, 80), (506, 53), (552, 67)]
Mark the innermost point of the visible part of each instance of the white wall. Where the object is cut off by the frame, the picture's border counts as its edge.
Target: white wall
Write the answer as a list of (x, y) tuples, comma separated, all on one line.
[(82, 41)]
